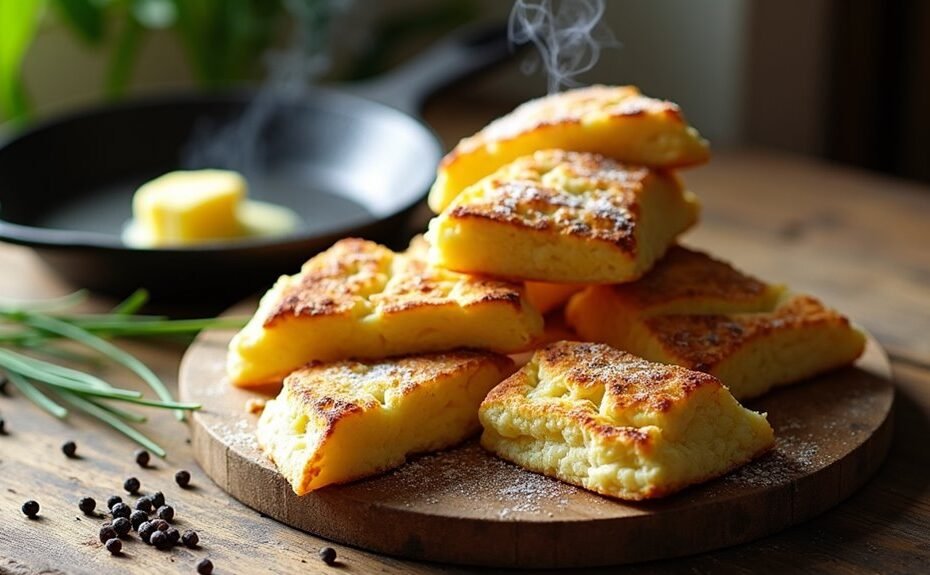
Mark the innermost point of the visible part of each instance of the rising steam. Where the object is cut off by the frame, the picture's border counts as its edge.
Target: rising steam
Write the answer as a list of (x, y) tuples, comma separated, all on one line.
[(568, 35), (237, 144)]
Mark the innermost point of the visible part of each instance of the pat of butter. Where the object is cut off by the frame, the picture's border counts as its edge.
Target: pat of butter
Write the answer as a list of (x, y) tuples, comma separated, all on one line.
[(191, 207)]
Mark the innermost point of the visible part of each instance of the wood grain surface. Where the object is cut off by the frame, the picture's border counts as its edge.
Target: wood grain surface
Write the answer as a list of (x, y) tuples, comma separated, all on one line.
[(465, 506), (855, 239)]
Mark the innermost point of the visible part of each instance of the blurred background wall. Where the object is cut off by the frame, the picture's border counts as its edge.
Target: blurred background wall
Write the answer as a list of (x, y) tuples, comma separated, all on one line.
[(847, 81)]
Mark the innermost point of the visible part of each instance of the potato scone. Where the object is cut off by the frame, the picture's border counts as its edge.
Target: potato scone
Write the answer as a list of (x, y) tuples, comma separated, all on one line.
[(616, 121), (563, 217), (698, 312), (338, 422), (361, 300), (617, 424)]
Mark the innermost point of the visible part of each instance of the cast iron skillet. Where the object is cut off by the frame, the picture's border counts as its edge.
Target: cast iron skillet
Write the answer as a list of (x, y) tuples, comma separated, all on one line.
[(353, 161)]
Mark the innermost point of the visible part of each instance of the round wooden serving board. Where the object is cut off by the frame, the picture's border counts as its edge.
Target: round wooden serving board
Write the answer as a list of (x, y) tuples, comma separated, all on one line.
[(465, 506)]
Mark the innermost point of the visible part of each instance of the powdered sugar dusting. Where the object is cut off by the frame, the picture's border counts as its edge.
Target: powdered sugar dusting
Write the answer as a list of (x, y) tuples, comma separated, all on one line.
[(468, 474), (239, 434)]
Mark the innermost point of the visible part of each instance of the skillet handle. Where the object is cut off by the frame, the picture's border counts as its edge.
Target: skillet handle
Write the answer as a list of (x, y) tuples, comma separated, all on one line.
[(465, 52)]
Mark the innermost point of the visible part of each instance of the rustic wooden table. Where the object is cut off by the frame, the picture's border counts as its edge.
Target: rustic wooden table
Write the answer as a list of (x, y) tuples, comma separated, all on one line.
[(860, 241)]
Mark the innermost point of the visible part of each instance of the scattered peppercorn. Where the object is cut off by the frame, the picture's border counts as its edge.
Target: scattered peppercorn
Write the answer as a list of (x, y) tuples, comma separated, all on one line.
[(183, 478), (131, 485), (328, 555), (87, 505), (2, 426), (160, 540), (114, 546), (174, 536), (122, 526), (30, 509), (121, 510), (144, 504), (106, 533), (113, 500), (3, 381), (205, 567), (161, 525), (165, 512), (137, 518), (69, 448), (142, 457), (157, 499), (190, 539), (145, 530)]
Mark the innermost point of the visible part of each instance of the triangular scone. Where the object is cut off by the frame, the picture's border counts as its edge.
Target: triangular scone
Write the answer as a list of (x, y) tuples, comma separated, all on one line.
[(334, 423), (617, 424), (564, 217), (703, 314), (361, 300), (616, 121)]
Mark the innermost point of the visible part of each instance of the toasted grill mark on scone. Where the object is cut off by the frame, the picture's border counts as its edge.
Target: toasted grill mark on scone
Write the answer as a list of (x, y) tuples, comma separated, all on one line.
[(579, 194), (686, 274), (703, 341), (627, 381), (335, 281), (572, 107), (359, 277)]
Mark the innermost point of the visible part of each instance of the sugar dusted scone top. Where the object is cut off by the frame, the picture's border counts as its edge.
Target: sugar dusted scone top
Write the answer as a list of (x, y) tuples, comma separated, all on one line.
[(361, 300), (338, 422), (616, 424), (564, 217), (701, 313), (616, 121)]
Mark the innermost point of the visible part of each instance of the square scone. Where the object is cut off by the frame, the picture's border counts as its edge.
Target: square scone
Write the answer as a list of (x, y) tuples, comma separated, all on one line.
[(338, 422), (563, 217), (701, 313), (616, 121), (619, 425), (361, 300)]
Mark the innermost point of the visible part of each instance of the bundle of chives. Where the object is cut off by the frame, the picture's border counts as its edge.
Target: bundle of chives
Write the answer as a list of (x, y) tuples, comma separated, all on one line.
[(37, 326)]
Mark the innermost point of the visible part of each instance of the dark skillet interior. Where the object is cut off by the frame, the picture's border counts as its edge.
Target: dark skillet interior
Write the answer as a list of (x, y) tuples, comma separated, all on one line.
[(348, 166)]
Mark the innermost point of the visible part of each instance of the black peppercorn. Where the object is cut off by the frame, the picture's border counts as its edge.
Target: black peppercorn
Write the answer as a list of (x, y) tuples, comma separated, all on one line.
[(137, 518), (87, 505), (142, 458), (144, 504), (328, 555), (160, 540), (121, 510), (165, 512), (145, 530), (113, 500), (69, 448), (106, 533), (161, 525), (114, 546), (131, 485), (3, 381), (2, 426), (190, 539), (205, 567), (30, 509), (157, 499), (122, 526), (183, 478), (174, 536)]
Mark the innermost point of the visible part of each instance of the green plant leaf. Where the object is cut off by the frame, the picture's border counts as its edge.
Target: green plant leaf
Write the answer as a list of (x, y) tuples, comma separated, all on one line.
[(86, 17), (19, 20), (122, 57), (155, 14)]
